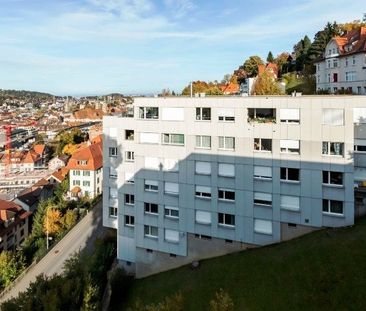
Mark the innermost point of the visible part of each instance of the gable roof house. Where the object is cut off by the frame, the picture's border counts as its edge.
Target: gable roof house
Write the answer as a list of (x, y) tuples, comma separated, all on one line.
[(342, 67)]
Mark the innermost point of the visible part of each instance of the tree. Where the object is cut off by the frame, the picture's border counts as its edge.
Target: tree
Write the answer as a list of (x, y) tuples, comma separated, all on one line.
[(351, 26), (69, 219), (221, 302), (226, 79), (251, 65), (11, 265), (173, 303), (270, 58), (91, 299), (300, 50), (265, 84), (52, 222), (281, 61)]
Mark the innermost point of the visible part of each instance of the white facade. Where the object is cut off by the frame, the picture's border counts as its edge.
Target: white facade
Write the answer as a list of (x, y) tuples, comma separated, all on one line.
[(89, 181)]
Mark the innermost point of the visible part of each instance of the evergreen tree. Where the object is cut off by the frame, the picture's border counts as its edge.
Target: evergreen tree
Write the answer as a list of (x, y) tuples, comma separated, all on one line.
[(251, 65), (270, 58)]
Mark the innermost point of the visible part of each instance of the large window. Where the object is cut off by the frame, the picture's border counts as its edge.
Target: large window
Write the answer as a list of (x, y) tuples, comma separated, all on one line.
[(151, 185), (226, 220), (148, 112), (203, 168), (290, 115), (203, 114), (203, 192), (171, 212), (227, 195), (262, 115), (129, 199), (226, 170), (263, 226), (350, 76), (333, 207), (129, 134), (113, 152), (226, 143), (332, 148), (226, 114), (151, 208), (332, 178), (290, 174), (203, 141), (261, 198), (263, 144), (203, 217), (263, 172), (173, 139), (129, 221), (290, 146), (113, 211), (151, 231)]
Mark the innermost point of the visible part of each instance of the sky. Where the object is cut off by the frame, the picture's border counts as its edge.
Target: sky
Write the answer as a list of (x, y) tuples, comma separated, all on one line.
[(94, 47)]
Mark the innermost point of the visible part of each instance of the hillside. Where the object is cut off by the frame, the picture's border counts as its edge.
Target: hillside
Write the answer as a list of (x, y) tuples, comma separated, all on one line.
[(325, 270), (25, 94)]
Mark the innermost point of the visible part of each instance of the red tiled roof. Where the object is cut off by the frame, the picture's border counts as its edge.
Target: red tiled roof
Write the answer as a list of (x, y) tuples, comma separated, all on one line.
[(89, 113), (93, 155), (352, 42), (271, 66), (230, 88), (39, 148)]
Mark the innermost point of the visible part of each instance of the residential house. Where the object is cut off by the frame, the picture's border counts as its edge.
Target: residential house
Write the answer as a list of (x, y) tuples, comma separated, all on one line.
[(58, 162)]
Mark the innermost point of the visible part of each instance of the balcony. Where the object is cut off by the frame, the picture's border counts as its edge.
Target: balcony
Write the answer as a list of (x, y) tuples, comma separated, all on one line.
[(261, 115)]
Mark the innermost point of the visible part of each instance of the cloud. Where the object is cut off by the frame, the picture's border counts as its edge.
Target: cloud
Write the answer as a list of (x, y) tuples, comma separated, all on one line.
[(180, 8)]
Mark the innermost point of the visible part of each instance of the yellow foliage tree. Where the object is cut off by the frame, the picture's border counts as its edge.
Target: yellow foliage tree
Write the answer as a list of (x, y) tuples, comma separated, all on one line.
[(69, 219), (52, 222), (266, 84), (69, 149)]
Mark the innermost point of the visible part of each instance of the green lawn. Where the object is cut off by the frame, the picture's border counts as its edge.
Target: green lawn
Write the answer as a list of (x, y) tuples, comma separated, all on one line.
[(325, 270)]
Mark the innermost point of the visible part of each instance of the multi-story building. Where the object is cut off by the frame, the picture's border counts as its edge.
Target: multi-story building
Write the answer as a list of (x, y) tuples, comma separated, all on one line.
[(192, 178), (343, 65), (86, 171)]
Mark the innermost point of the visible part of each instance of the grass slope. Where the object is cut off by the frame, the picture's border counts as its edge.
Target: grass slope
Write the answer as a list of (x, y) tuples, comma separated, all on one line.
[(325, 270)]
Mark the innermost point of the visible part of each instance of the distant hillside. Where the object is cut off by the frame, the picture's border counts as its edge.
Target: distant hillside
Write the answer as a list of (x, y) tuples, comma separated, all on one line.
[(25, 95)]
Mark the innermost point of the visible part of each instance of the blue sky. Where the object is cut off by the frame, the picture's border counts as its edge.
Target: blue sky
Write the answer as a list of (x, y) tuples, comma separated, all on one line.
[(81, 47)]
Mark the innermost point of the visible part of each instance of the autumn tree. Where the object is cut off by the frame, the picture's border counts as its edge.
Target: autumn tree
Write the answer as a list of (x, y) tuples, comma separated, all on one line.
[(69, 219), (11, 265), (251, 65), (266, 84), (351, 26), (281, 61), (52, 222), (221, 302), (270, 58)]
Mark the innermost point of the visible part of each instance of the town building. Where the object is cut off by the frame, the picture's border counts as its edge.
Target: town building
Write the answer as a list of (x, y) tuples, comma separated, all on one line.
[(342, 68), (58, 162), (86, 171), (192, 178), (14, 225)]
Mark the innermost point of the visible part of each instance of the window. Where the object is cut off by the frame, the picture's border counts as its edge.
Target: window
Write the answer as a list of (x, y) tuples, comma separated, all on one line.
[(151, 185), (152, 163), (203, 141), (203, 168), (151, 231), (203, 114), (353, 60), (333, 116), (291, 115), (113, 193), (129, 221), (289, 202), (171, 236), (173, 139), (129, 178), (226, 170), (172, 114), (76, 183), (171, 165), (263, 172), (129, 134), (360, 145), (171, 188), (151, 208), (112, 172), (86, 173), (113, 152), (331, 148), (261, 198), (350, 76), (262, 115), (149, 138), (346, 61), (113, 211), (226, 220), (263, 144), (76, 173), (82, 162), (129, 199), (227, 195), (263, 226), (335, 64), (290, 174), (335, 77), (130, 156), (171, 212), (227, 115), (226, 143), (203, 217), (332, 178), (328, 77), (203, 192), (149, 112), (333, 207), (290, 146), (86, 183)]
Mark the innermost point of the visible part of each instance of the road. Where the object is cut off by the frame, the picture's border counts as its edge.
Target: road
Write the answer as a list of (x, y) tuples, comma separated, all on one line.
[(80, 237)]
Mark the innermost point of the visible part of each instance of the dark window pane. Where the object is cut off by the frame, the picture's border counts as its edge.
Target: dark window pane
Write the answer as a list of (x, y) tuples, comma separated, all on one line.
[(325, 177), (283, 173)]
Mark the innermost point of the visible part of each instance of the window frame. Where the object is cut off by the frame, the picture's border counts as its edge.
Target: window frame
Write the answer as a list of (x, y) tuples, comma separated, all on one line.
[(287, 175), (259, 143), (113, 154), (148, 232), (146, 114), (113, 209), (149, 207), (200, 115), (329, 147), (130, 156), (328, 204), (169, 214), (128, 198), (224, 192), (200, 138), (224, 223), (169, 142), (327, 179), (128, 224), (224, 138)]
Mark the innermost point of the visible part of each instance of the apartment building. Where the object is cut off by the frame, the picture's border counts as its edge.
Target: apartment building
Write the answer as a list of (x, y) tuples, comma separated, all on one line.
[(343, 65), (192, 178)]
